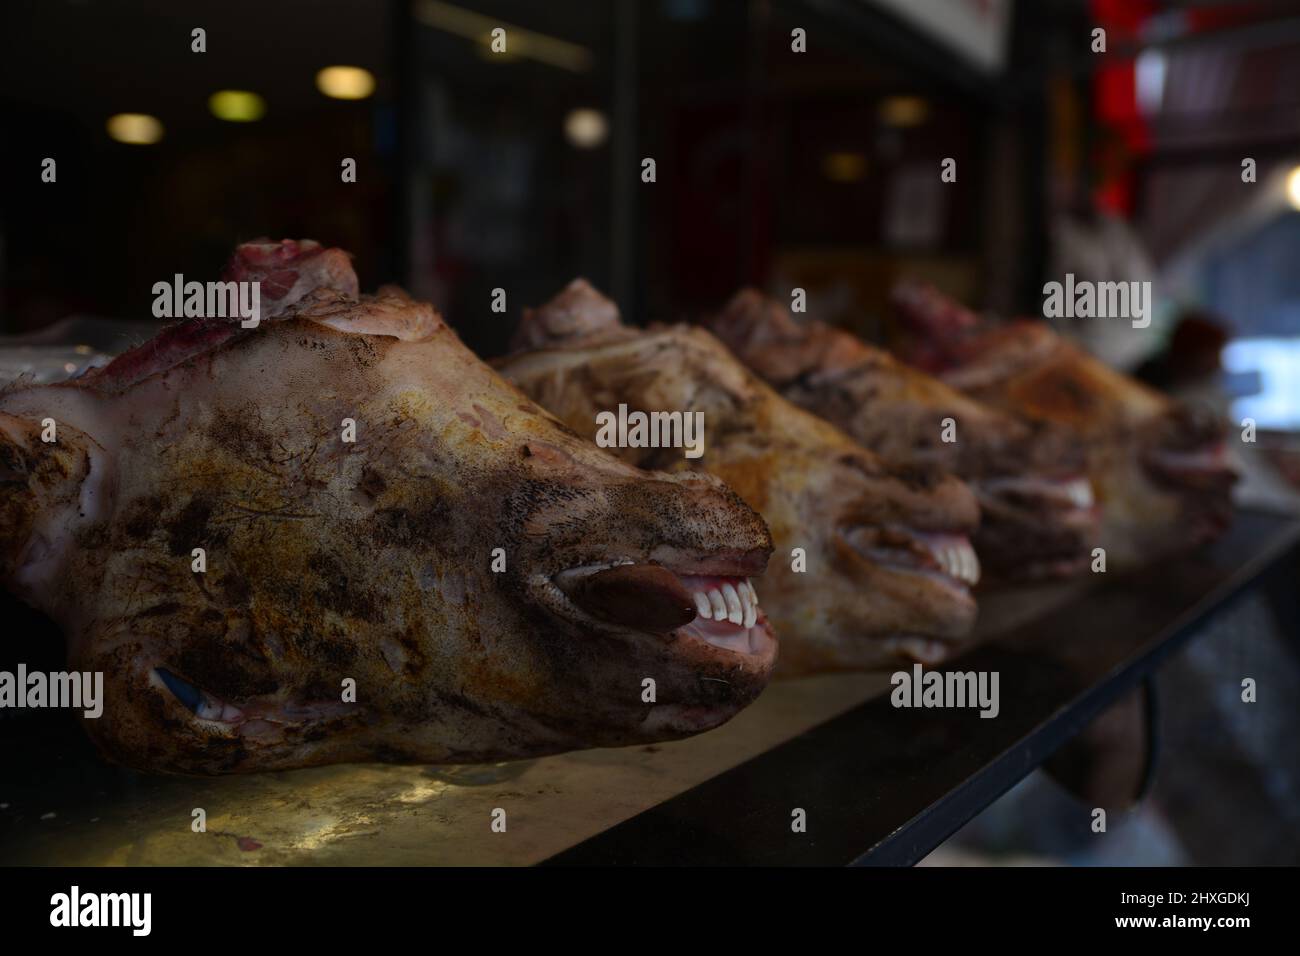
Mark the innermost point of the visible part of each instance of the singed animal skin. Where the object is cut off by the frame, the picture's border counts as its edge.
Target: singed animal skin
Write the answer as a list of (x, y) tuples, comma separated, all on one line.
[(371, 560), (874, 593), (1037, 516), (1159, 467)]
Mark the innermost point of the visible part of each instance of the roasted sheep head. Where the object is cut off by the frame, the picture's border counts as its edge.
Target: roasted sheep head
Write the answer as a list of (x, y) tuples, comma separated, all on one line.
[(233, 524), (886, 568), (1037, 515), (1159, 466)]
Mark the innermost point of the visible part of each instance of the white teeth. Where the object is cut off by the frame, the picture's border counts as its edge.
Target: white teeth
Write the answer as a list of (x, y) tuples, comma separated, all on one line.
[(719, 605), (966, 563), (1080, 493), (1077, 493), (735, 613), (702, 605), (957, 559), (733, 601), (919, 649), (209, 709)]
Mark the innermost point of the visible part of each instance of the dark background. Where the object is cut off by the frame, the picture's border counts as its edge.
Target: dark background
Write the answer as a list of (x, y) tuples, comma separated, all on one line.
[(467, 183)]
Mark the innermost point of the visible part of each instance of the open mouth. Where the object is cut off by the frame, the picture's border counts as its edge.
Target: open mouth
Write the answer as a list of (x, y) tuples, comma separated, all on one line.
[(1043, 515), (1185, 451), (727, 614), (1037, 528), (721, 611), (200, 703), (258, 717), (1073, 494), (946, 558), (1202, 479), (1198, 469)]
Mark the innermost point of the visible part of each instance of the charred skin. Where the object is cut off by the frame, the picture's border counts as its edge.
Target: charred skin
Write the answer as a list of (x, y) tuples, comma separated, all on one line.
[(1159, 468), (816, 488), (370, 560), (1022, 471)]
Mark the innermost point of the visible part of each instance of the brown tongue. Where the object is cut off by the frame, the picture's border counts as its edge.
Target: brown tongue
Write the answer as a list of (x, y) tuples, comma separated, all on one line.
[(644, 596)]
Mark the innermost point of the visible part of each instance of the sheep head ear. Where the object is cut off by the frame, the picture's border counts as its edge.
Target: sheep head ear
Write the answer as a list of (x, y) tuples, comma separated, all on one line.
[(579, 314), (289, 269)]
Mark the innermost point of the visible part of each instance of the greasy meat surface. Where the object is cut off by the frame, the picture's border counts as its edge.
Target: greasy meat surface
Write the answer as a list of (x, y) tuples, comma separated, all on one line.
[(1159, 467), (370, 560), (1037, 519), (888, 563)]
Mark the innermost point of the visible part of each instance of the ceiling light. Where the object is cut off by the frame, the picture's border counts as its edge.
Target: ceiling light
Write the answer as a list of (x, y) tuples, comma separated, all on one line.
[(519, 41), (904, 111), (139, 129), (237, 106), (345, 82), (586, 128), (844, 167)]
